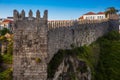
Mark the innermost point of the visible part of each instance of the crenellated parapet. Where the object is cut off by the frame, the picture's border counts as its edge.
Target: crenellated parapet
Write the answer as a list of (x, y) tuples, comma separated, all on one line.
[(30, 46), (36, 40), (21, 16)]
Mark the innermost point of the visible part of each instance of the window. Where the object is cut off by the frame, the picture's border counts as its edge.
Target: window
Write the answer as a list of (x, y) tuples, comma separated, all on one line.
[(91, 17), (97, 17), (101, 17)]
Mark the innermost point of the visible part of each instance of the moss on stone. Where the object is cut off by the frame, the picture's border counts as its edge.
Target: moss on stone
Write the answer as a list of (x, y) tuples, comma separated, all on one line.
[(38, 60)]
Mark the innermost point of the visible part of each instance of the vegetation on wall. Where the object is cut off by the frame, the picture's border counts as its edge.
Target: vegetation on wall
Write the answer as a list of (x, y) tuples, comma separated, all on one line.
[(55, 62), (6, 57), (109, 62), (84, 53), (102, 56)]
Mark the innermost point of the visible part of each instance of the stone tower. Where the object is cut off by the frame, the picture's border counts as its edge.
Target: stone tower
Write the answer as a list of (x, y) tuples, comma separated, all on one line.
[(30, 46)]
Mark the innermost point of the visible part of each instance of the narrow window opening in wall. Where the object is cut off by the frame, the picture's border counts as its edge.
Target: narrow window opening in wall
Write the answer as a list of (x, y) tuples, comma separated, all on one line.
[(98, 17), (91, 17), (102, 17)]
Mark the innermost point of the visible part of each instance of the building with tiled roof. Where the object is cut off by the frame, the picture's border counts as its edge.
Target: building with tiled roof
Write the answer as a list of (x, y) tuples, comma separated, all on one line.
[(6, 24), (7, 21), (93, 16), (90, 13), (100, 13)]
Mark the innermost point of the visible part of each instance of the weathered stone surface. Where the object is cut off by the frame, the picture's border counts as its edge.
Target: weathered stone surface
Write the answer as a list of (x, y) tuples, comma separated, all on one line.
[(71, 68), (78, 34), (36, 41), (30, 49)]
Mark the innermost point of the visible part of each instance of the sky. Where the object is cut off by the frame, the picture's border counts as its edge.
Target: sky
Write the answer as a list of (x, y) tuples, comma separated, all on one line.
[(57, 9)]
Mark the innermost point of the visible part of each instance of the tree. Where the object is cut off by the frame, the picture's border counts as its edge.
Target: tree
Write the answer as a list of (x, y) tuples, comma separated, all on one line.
[(4, 31), (111, 10)]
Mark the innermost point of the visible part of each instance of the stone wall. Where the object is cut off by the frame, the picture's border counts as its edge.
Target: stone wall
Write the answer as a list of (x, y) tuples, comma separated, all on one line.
[(36, 40), (79, 34), (30, 46)]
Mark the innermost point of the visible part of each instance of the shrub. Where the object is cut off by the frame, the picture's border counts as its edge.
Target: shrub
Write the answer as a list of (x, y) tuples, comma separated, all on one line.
[(4, 31), (10, 48), (7, 58), (6, 75)]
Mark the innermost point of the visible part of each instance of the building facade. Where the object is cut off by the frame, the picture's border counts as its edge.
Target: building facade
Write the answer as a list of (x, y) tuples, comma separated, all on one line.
[(6, 24), (93, 16)]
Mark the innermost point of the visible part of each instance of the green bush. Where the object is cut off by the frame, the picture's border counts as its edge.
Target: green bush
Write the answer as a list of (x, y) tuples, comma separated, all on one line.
[(55, 62), (7, 58), (4, 31), (102, 56), (6, 75), (114, 35), (10, 48), (109, 63)]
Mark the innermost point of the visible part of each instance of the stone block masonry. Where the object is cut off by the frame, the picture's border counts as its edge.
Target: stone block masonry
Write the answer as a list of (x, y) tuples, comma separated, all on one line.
[(36, 40), (30, 46), (78, 34)]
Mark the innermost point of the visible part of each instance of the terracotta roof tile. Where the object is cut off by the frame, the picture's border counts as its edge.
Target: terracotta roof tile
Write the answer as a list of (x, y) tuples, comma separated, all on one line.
[(7, 20), (100, 13), (90, 13)]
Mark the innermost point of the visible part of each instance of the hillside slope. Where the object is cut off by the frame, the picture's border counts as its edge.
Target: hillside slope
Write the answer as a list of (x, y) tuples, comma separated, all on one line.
[(98, 61)]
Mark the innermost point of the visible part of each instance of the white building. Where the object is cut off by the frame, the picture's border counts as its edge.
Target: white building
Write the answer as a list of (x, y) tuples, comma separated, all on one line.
[(6, 24), (93, 16)]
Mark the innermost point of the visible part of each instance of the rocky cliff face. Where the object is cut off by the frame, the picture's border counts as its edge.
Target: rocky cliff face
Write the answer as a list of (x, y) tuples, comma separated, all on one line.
[(72, 68)]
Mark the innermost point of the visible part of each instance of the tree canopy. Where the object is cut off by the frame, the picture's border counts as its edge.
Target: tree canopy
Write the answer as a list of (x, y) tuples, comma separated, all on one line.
[(4, 31), (111, 10)]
